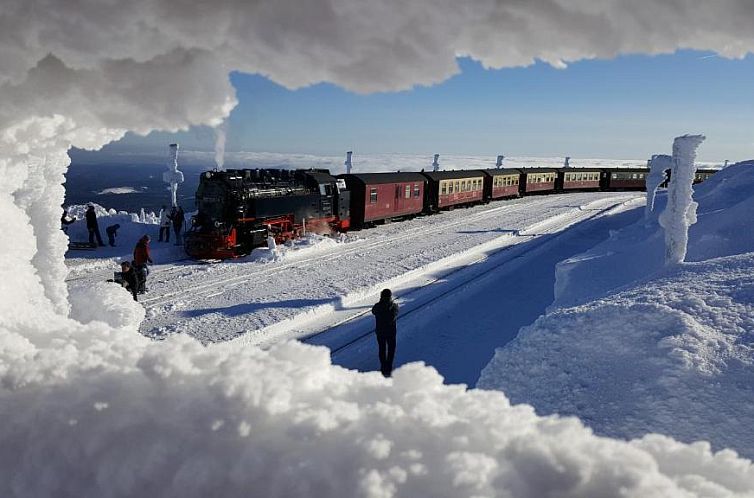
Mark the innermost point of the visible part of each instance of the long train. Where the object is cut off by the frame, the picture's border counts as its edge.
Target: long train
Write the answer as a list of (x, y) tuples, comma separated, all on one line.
[(238, 210)]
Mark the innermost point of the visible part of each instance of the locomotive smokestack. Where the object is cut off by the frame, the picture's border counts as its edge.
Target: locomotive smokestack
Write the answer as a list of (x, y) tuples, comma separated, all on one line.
[(499, 163), (172, 176), (348, 162), (436, 163), (567, 163)]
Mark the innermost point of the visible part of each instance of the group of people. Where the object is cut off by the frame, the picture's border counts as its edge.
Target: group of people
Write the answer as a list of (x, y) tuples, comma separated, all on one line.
[(176, 218)]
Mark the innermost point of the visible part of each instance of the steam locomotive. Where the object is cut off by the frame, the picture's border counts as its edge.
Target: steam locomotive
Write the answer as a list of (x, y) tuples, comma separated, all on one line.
[(239, 209)]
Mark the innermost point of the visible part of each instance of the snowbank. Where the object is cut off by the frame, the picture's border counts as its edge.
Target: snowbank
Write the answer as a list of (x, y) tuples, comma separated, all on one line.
[(673, 355), (670, 351)]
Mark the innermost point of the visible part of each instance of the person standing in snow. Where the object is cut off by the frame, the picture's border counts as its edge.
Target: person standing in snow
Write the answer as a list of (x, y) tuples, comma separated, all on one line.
[(93, 227), (178, 219), (141, 258), (112, 232), (130, 279), (165, 220), (65, 221), (385, 314)]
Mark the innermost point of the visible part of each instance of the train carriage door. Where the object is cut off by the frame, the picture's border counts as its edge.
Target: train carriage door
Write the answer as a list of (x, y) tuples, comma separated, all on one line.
[(397, 201)]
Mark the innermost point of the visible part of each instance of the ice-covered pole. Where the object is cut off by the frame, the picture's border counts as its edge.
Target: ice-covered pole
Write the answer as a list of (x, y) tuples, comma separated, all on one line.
[(348, 162), (436, 163), (499, 163), (172, 176), (567, 162), (680, 212), (657, 167)]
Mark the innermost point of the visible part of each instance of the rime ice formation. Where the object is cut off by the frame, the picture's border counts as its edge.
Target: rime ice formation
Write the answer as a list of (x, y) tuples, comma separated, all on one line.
[(499, 162), (348, 162), (220, 135), (172, 176), (436, 163), (567, 162), (680, 212), (657, 167)]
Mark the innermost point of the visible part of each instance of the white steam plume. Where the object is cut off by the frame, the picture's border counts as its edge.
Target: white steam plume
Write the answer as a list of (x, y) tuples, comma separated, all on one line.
[(220, 135)]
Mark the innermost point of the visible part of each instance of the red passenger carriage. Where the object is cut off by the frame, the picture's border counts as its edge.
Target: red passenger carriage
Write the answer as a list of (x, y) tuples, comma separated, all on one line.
[(447, 189), (378, 197), (501, 183), (578, 179), (534, 180)]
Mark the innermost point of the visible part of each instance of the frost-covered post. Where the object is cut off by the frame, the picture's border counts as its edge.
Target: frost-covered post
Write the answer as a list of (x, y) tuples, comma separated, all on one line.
[(172, 176), (680, 212), (499, 163), (657, 167), (348, 162), (436, 163)]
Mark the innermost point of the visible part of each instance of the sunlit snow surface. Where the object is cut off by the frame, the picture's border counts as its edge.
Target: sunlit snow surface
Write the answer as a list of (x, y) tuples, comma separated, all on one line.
[(666, 350)]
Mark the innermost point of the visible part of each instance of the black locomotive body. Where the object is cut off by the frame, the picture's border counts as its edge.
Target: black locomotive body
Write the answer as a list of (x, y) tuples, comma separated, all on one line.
[(237, 210)]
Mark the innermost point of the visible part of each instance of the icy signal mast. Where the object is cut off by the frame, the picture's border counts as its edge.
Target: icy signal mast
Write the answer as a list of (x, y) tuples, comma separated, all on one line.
[(172, 176)]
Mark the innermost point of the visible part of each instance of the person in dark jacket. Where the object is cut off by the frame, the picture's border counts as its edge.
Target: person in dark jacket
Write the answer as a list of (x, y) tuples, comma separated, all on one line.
[(141, 258), (178, 219), (93, 227), (385, 314), (131, 280), (112, 232)]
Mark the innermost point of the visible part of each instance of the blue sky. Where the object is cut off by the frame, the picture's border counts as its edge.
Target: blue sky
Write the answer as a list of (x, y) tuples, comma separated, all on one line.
[(629, 107)]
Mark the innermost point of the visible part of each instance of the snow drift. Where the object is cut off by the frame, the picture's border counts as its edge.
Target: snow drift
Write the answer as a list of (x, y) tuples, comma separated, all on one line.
[(670, 350), (94, 409)]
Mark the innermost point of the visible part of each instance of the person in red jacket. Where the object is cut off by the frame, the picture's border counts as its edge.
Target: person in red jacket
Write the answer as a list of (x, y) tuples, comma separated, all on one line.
[(141, 258)]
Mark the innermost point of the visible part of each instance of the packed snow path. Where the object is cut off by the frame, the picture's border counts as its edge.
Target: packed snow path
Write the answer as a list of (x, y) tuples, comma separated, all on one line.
[(266, 302)]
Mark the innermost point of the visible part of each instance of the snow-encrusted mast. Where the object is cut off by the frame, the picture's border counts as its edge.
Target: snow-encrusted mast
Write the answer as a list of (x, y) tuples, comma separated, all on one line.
[(657, 167), (680, 212), (499, 162), (348, 162), (172, 176), (436, 163)]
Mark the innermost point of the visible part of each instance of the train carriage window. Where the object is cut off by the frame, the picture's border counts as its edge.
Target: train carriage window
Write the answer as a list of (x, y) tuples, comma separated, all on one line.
[(457, 187), (407, 193), (373, 196), (417, 191)]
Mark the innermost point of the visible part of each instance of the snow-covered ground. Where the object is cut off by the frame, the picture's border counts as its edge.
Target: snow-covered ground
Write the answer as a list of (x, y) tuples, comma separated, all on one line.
[(268, 297)]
